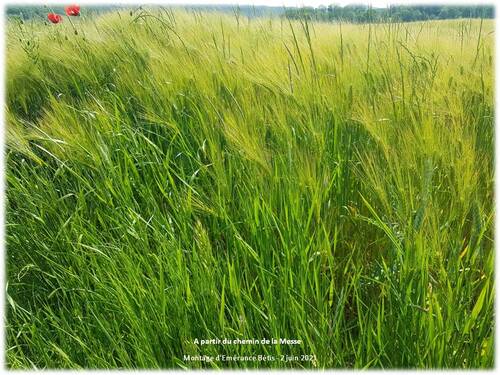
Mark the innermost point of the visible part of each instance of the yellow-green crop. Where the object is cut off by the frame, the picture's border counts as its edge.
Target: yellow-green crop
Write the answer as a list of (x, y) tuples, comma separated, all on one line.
[(174, 176)]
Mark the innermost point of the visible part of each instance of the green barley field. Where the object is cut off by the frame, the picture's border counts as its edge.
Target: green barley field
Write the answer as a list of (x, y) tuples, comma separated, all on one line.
[(179, 176)]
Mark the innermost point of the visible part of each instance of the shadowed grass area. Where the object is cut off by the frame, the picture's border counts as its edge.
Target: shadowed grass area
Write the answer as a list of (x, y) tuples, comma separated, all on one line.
[(173, 176)]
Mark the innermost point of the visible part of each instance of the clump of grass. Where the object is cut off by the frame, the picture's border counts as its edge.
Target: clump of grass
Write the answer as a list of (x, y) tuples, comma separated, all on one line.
[(173, 176)]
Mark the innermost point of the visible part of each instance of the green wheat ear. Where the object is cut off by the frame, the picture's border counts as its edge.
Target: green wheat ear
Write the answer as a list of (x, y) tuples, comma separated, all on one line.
[(426, 192)]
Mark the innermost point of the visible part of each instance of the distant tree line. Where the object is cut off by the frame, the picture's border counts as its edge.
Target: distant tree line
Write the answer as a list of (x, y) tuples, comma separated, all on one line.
[(27, 12), (397, 13), (350, 13)]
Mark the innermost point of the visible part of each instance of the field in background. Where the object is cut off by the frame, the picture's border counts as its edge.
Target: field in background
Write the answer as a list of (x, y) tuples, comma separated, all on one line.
[(173, 176)]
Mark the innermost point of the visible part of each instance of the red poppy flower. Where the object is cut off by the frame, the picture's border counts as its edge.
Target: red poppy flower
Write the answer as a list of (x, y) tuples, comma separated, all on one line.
[(54, 18), (72, 10)]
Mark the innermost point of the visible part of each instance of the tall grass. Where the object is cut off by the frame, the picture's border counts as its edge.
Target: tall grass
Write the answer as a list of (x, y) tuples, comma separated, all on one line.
[(175, 175)]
